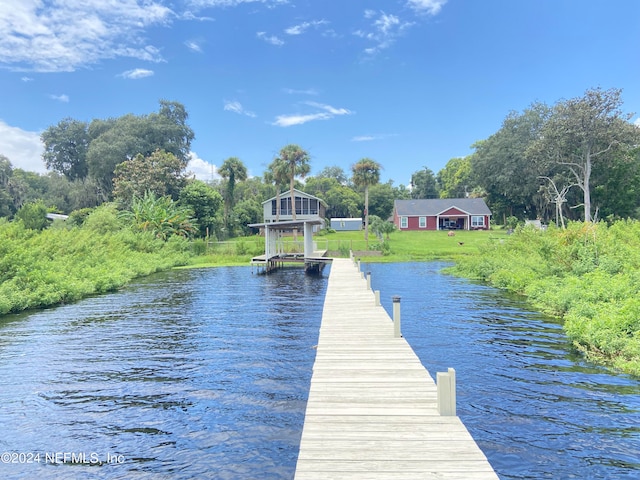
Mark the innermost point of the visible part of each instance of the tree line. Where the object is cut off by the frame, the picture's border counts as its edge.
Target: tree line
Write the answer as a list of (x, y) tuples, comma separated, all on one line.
[(577, 159)]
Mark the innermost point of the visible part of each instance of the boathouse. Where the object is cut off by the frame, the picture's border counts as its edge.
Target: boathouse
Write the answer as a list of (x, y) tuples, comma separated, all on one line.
[(307, 207), (277, 249)]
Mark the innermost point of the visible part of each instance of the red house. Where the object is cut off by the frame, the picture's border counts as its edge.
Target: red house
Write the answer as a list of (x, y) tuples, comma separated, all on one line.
[(442, 214)]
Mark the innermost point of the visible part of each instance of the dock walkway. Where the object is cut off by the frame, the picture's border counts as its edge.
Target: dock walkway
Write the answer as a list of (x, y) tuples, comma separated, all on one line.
[(372, 408)]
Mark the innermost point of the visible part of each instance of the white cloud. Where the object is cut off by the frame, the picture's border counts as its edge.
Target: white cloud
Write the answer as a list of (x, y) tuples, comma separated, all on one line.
[(330, 109), (236, 107), (272, 39), (363, 138), (200, 168), (66, 35), (290, 120), (385, 30), (27, 79), (431, 7), (60, 98), (298, 119), (136, 73), (234, 3), (193, 46), (637, 122), (304, 26), (192, 16), (369, 138), (308, 91), (23, 148)]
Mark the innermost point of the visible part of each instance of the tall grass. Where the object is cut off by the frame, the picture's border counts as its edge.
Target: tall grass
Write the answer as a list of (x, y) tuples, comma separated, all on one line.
[(59, 265), (588, 274)]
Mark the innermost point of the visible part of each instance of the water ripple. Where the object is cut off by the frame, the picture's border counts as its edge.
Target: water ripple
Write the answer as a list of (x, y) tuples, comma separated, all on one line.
[(186, 374)]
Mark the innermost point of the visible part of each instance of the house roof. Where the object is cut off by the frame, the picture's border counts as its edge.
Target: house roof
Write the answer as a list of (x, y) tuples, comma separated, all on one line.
[(436, 206), (287, 194)]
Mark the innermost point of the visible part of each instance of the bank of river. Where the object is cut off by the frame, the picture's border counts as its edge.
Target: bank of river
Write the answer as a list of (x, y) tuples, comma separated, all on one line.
[(204, 373)]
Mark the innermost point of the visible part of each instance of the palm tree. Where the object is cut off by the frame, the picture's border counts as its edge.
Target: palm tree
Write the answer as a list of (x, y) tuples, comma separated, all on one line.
[(366, 173), (232, 170), (278, 175), (295, 162)]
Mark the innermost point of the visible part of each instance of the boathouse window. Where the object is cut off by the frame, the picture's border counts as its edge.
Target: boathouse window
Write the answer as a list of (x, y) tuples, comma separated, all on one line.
[(477, 221), (404, 223), (304, 206), (423, 222)]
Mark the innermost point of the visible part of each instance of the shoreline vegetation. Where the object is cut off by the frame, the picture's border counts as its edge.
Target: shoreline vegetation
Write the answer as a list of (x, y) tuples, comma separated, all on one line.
[(59, 265), (587, 275)]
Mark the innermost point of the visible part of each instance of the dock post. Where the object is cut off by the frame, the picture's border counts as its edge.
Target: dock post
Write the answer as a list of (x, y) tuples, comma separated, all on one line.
[(376, 293), (368, 280), (446, 382), (396, 316)]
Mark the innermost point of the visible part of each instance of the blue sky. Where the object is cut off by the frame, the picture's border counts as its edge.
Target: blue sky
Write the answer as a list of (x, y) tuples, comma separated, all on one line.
[(409, 83)]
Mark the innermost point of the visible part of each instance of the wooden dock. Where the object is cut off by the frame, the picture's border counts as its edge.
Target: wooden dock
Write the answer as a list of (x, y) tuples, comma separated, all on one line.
[(372, 410)]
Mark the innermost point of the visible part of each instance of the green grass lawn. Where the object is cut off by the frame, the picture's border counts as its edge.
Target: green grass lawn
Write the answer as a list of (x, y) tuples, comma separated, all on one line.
[(405, 246), (415, 245)]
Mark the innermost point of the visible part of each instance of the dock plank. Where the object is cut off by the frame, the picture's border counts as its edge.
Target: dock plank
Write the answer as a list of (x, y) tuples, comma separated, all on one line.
[(372, 407)]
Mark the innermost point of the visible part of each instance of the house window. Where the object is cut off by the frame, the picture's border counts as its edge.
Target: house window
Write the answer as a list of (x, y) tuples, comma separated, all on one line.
[(423, 222), (477, 221), (404, 223), (285, 206)]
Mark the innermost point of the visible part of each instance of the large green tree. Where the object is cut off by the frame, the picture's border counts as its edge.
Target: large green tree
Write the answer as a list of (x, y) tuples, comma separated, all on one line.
[(65, 148), (423, 183), (616, 191), (500, 165), (381, 199), (205, 203), (365, 173), (6, 201), (342, 201), (335, 172), (118, 140), (455, 178), (161, 173), (585, 132)]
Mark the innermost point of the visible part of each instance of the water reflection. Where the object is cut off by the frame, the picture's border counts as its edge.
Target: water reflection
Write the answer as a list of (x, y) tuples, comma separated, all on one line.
[(535, 407), (185, 374)]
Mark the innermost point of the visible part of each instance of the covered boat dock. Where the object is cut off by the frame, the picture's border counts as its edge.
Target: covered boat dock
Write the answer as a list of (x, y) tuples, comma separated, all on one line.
[(276, 255)]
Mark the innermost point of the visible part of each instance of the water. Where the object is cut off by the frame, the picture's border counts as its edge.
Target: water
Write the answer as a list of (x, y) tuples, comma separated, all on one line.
[(186, 374), (205, 374), (536, 409)]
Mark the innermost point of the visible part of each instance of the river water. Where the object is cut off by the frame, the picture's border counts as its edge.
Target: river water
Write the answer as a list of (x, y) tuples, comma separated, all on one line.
[(536, 409), (204, 374)]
